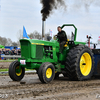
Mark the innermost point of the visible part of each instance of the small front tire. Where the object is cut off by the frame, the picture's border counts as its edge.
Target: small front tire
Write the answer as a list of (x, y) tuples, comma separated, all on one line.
[(46, 72), (16, 72)]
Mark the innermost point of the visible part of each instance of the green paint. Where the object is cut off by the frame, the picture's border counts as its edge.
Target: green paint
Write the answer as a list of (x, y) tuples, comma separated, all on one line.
[(2, 47), (76, 43), (36, 52), (74, 27)]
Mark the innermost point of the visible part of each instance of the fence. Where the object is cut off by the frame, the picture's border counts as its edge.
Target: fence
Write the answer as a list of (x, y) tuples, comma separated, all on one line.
[(10, 56)]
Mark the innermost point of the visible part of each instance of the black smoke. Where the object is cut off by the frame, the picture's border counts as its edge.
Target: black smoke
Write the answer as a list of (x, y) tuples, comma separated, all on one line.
[(49, 5)]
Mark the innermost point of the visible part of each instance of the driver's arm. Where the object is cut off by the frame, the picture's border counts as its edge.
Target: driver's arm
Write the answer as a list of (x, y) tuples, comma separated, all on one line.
[(56, 35)]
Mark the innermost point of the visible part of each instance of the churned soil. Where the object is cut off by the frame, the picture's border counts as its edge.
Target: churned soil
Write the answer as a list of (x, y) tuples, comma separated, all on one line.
[(4, 65), (30, 88)]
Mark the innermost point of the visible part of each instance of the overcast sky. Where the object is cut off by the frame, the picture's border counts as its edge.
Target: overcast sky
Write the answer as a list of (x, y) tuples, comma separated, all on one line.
[(16, 13)]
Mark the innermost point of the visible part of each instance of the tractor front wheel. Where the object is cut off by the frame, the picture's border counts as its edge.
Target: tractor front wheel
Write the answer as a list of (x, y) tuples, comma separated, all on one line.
[(16, 72), (46, 72)]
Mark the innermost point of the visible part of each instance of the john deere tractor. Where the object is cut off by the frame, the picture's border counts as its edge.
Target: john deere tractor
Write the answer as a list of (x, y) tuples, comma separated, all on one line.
[(76, 61)]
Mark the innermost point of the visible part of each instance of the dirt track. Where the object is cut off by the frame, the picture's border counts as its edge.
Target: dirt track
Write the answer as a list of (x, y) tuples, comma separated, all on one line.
[(60, 89), (4, 65)]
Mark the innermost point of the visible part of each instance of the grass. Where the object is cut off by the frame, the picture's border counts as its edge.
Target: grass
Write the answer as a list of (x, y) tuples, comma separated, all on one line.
[(8, 60), (4, 70)]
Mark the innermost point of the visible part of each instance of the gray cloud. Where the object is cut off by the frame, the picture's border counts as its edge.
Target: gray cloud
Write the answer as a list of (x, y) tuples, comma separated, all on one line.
[(15, 14)]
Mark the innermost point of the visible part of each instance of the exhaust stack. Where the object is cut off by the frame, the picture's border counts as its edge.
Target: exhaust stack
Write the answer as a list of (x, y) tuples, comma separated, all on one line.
[(43, 30)]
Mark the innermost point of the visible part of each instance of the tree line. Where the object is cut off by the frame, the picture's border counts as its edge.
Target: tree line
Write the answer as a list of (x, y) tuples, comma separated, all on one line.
[(34, 35), (8, 42)]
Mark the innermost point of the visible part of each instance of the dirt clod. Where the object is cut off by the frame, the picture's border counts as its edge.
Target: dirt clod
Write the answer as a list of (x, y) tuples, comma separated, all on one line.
[(30, 88)]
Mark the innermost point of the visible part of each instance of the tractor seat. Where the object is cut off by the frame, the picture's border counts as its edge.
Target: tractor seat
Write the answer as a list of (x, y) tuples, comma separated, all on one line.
[(66, 44), (69, 43)]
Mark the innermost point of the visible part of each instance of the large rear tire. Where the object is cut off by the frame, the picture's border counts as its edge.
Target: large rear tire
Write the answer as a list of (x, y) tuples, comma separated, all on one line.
[(79, 63), (46, 72), (16, 72)]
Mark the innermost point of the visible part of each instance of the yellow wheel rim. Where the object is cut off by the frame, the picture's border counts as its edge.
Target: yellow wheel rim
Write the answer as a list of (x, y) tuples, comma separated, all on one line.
[(18, 71), (85, 64), (48, 72)]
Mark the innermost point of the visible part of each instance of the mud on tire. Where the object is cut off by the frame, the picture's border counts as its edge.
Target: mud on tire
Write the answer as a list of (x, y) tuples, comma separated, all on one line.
[(46, 72), (76, 59), (12, 71)]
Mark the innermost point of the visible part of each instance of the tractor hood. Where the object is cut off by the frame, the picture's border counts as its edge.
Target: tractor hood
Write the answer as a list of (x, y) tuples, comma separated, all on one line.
[(40, 42)]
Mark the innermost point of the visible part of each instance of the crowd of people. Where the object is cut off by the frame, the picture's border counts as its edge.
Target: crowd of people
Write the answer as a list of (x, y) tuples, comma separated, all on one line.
[(10, 52)]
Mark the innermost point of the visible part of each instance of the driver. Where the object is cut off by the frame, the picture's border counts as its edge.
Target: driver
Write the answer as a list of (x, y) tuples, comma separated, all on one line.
[(62, 38)]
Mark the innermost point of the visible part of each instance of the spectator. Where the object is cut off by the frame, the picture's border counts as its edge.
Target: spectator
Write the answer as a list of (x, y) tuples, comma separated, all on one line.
[(19, 52), (15, 51), (72, 37), (3, 51), (7, 52), (10, 52), (0, 51)]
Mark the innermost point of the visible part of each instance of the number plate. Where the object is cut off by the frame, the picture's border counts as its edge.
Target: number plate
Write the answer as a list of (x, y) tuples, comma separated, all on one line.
[(23, 62)]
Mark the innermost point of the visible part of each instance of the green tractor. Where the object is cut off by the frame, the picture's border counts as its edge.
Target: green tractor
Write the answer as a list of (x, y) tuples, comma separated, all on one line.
[(76, 61)]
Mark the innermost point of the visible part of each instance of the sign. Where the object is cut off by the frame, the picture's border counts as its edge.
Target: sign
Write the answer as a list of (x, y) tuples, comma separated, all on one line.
[(23, 62)]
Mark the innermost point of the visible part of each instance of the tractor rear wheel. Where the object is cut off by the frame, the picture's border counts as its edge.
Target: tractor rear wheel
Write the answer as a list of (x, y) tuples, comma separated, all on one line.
[(79, 63), (16, 72), (46, 72)]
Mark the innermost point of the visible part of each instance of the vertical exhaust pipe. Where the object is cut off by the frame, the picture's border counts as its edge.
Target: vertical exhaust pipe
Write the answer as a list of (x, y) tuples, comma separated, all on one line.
[(43, 30)]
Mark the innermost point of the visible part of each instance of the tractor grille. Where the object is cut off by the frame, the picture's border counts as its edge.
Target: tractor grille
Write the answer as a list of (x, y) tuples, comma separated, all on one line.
[(39, 51), (25, 47)]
